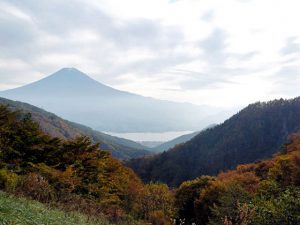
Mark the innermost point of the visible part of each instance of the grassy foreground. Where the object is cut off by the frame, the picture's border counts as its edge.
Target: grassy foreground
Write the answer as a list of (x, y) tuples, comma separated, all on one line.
[(21, 211)]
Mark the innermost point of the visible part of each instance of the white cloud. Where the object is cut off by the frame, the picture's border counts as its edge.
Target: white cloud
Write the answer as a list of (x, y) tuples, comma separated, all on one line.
[(206, 52)]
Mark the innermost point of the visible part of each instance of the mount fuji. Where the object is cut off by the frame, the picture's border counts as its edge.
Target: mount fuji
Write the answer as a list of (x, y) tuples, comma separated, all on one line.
[(75, 96)]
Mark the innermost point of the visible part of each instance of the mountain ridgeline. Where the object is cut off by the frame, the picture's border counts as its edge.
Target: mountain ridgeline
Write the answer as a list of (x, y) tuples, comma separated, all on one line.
[(176, 141), (170, 144), (254, 133), (57, 127), (75, 96)]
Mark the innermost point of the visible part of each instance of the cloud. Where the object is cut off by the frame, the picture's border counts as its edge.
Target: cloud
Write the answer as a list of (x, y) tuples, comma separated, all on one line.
[(211, 78), (214, 47), (184, 46), (173, 1), (200, 80), (245, 56), (9, 67), (291, 46), (146, 34), (71, 31), (285, 81), (208, 16), (16, 32), (217, 71), (62, 18)]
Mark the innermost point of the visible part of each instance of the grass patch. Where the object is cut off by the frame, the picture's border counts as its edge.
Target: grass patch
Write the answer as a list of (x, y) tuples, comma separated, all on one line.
[(21, 211)]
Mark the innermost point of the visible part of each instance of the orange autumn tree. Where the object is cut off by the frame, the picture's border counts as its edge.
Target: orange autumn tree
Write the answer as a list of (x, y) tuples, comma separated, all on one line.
[(266, 192)]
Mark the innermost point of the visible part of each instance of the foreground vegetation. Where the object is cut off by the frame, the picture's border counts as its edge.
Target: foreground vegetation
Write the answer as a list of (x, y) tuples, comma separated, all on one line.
[(22, 211), (264, 193), (75, 176)]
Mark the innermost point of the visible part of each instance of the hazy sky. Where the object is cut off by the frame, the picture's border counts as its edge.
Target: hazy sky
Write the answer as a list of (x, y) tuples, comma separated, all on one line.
[(215, 52)]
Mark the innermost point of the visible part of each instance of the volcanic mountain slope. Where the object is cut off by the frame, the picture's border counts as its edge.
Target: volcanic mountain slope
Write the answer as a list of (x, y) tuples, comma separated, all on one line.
[(75, 96), (57, 127), (254, 133)]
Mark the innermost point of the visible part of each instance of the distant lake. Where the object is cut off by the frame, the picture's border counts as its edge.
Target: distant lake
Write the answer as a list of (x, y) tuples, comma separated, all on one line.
[(161, 136)]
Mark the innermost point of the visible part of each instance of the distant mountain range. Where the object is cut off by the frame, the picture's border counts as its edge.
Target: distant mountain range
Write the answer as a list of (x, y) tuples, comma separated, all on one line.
[(254, 133), (75, 96), (57, 127)]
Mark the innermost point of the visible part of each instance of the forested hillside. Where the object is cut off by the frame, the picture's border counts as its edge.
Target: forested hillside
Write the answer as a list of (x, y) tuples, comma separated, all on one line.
[(176, 141), (170, 144), (264, 193), (58, 127), (254, 133), (74, 175)]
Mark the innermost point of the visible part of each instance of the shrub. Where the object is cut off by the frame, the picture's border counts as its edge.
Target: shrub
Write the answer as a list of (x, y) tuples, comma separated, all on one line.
[(158, 217), (36, 187), (154, 200), (187, 194), (8, 180)]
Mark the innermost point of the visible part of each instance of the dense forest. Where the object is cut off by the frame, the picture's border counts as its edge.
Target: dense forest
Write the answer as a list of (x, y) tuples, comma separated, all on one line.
[(254, 133), (76, 176), (264, 193)]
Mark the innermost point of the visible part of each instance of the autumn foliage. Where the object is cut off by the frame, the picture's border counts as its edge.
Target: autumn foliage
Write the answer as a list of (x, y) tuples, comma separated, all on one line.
[(263, 193), (75, 175)]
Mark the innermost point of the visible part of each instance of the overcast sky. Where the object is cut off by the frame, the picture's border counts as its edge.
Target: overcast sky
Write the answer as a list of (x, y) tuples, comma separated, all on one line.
[(214, 52)]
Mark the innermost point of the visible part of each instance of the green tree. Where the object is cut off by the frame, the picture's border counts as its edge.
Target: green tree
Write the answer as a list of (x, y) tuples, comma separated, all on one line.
[(276, 205), (187, 194)]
